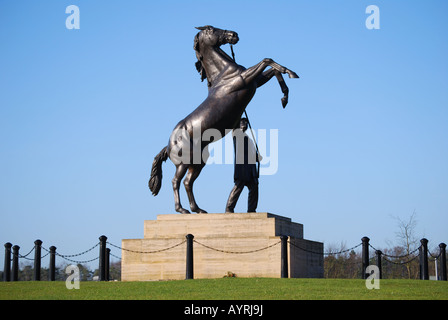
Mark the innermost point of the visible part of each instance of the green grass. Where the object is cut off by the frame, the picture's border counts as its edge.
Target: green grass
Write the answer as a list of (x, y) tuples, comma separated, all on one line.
[(229, 289)]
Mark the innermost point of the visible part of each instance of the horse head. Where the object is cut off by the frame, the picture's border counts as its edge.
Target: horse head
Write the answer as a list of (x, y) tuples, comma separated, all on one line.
[(211, 37)]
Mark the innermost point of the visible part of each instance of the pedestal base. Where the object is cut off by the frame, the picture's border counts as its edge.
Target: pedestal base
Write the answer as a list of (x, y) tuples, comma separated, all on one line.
[(240, 244)]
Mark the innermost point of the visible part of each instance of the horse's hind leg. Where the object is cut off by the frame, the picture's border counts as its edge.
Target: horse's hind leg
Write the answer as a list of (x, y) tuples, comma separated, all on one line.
[(193, 173), (181, 169)]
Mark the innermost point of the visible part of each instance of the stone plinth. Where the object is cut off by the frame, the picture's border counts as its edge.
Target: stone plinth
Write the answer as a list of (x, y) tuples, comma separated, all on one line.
[(245, 244)]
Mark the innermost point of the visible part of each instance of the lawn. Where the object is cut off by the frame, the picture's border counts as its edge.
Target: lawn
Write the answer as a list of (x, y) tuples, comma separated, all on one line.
[(229, 289)]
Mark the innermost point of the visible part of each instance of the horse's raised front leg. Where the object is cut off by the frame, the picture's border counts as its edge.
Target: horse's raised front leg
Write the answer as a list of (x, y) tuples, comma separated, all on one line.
[(254, 72), (284, 87), (267, 75)]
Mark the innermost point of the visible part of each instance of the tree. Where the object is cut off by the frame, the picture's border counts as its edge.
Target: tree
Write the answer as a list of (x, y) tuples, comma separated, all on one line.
[(115, 270), (406, 237), (341, 263)]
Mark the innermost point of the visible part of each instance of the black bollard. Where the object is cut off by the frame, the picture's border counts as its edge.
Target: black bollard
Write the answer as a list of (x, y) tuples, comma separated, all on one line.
[(37, 259), (378, 263), (102, 266), (189, 265), (15, 263), (424, 272), (365, 256), (52, 271), (442, 258), (7, 266), (284, 256), (107, 264)]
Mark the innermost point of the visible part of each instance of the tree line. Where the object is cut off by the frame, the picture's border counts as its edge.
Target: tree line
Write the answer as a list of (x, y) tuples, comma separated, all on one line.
[(396, 263), (400, 261)]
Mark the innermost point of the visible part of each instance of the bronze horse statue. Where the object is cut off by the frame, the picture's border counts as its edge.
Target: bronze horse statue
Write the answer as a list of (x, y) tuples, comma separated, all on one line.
[(230, 89)]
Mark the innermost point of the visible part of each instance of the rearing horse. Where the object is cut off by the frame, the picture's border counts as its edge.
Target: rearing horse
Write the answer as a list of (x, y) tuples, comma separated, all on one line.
[(230, 89)]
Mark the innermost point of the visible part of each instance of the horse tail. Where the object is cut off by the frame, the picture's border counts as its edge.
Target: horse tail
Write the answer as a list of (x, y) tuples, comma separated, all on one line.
[(155, 182)]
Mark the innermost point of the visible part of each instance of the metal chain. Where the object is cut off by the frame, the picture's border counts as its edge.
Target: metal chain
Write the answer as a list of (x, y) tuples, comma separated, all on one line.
[(25, 256), (401, 263), (396, 257), (332, 253), (237, 252), (433, 256), (114, 256), (74, 255), (324, 253), (80, 262), (31, 259), (155, 251)]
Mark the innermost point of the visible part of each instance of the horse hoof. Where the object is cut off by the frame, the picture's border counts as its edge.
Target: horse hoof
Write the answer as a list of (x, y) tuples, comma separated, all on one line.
[(183, 211), (284, 102), (293, 75)]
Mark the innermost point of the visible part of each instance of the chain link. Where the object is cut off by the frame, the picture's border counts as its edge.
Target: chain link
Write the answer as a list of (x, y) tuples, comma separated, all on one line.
[(119, 258), (401, 262), (66, 256), (343, 251), (155, 251), (325, 253), (80, 261), (433, 256), (25, 256), (73, 255), (237, 252), (396, 257)]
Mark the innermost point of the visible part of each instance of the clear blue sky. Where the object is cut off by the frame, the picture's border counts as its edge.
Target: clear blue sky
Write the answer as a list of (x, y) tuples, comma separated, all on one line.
[(83, 112)]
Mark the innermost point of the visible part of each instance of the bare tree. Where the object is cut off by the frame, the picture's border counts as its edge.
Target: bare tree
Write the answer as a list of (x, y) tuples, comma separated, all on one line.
[(406, 236)]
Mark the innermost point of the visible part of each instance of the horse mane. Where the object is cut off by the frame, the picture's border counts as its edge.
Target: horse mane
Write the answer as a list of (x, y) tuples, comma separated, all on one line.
[(199, 66)]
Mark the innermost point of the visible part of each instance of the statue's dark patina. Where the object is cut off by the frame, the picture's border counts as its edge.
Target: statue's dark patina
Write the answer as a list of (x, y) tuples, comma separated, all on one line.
[(230, 89)]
